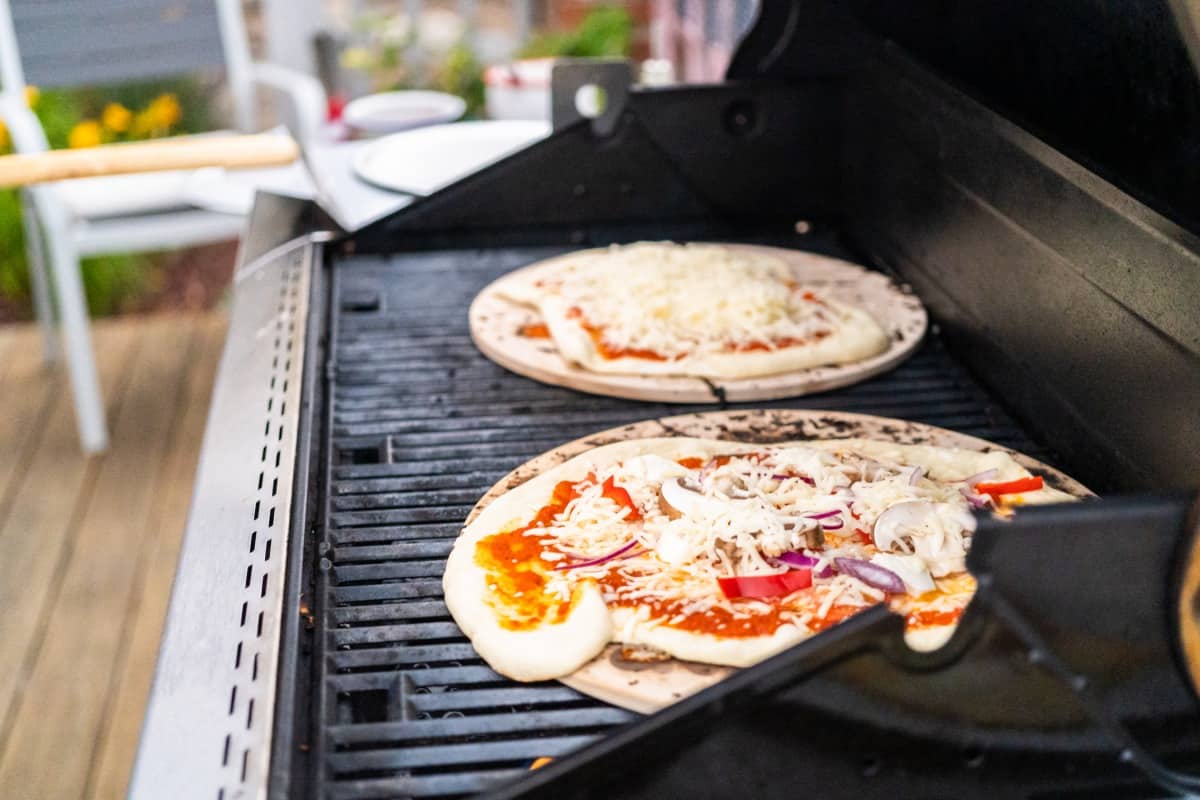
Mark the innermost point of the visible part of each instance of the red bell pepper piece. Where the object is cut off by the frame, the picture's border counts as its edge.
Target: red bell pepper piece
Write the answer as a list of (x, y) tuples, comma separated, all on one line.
[(997, 488), (621, 497), (776, 585)]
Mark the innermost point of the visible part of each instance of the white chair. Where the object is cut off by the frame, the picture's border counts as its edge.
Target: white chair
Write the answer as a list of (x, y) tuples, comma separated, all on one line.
[(106, 42)]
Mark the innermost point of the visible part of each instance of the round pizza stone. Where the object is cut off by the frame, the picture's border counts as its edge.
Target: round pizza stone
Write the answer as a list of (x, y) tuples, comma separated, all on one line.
[(649, 687)]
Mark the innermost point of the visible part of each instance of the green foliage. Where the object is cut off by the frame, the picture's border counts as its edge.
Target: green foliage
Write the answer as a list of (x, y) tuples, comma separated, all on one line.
[(59, 112), (606, 32), (191, 93), (110, 282), (461, 74), (14, 277)]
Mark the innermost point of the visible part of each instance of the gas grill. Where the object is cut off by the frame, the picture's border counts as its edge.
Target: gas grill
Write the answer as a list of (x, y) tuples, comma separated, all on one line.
[(308, 651)]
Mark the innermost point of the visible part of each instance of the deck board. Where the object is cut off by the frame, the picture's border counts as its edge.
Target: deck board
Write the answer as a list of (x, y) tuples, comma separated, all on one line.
[(118, 739), (89, 547), (26, 387)]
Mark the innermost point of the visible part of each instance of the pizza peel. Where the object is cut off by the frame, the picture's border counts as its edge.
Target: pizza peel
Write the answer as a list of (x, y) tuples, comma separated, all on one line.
[(649, 687), (496, 324)]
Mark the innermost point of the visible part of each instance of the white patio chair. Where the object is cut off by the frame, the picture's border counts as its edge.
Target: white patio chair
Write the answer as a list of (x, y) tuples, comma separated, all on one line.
[(94, 42)]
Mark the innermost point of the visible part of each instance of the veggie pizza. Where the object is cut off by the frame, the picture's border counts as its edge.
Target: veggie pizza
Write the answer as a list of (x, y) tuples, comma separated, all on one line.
[(722, 552)]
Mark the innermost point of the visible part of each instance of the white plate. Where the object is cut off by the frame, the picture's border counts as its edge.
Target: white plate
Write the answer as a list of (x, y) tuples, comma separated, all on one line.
[(425, 160), (390, 112)]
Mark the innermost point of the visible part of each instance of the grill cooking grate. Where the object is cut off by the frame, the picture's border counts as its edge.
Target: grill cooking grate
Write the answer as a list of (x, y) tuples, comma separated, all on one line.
[(421, 426)]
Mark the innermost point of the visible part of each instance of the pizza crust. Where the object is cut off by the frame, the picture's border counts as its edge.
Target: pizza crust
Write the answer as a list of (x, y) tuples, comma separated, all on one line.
[(703, 647), (555, 650)]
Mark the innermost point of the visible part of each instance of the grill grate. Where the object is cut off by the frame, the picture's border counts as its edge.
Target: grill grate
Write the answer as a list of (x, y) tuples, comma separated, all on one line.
[(421, 426)]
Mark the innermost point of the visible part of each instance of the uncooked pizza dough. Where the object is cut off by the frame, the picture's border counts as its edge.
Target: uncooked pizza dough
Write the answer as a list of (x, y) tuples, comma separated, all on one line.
[(722, 552), (698, 310)]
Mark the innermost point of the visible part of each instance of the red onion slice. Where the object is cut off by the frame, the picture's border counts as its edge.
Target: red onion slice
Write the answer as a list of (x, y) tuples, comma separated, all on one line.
[(915, 475), (798, 559), (976, 501), (602, 559), (833, 524), (871, 574), (986, 475), (824, 514)]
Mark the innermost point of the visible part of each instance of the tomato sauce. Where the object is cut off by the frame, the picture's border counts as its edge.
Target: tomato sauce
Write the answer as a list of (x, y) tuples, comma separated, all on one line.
[(836, 614), (535, 330), (690, 463), (517, 574), (517, 577), (775, 344), (610, 352), (717, 621), (929, 618)]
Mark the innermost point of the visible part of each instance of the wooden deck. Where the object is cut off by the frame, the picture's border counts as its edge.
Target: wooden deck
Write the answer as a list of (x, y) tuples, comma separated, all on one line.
[(88, 546)]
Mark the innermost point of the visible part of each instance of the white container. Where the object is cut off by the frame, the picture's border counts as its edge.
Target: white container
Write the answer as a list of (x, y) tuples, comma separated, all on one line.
[(520, 90)]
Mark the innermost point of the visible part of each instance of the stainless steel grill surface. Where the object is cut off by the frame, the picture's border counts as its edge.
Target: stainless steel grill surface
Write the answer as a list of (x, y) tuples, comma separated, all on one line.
[(419, 425)]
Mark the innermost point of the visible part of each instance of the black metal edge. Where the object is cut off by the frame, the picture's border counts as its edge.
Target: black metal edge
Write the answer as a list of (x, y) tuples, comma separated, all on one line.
[(618, 764), (599, 765), (1113, 645), (1109, 253), (703, 164), (289, 765), (322, 703)]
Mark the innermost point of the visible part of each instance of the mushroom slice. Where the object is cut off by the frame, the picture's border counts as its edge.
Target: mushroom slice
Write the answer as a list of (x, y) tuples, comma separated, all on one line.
[(686, 501)]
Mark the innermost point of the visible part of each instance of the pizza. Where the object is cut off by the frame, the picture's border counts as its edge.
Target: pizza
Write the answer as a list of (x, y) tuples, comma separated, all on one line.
[(697, 310), (722, 552)]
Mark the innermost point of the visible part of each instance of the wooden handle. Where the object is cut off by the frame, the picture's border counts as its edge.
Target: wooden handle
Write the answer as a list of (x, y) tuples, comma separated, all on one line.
[(259, 150)]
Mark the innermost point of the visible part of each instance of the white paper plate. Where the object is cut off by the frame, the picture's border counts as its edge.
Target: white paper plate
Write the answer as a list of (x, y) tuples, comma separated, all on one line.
[(390, 112), (423, 161)]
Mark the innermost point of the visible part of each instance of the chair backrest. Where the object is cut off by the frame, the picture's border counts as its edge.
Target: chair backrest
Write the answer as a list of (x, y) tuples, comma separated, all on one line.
[(68, 43)]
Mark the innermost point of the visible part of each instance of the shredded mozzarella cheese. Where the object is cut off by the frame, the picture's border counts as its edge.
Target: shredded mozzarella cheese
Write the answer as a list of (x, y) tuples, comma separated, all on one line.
[(692, 299), (747, 510)]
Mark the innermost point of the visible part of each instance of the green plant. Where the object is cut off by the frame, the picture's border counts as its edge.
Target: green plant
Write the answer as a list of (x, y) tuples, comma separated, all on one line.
[(606, 32), (461, 74), (109, 282), (78, 117)]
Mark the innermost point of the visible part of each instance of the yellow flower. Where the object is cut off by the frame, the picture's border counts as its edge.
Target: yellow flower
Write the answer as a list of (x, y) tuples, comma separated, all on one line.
[(116, 117), (85, 134), (4, 140), (144, 125), (165, 110), (356, 58), (31, 95)]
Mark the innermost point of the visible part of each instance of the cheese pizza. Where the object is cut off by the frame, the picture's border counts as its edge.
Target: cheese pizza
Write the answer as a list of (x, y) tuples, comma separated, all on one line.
[(723, 552), (694, 310)]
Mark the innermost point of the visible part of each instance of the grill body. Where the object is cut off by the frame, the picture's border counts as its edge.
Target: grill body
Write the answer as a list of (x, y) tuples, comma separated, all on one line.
[(1060, 305), (419, 426)]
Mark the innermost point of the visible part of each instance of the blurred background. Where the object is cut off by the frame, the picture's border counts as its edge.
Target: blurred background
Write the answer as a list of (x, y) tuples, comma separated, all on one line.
[(484, 51)]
